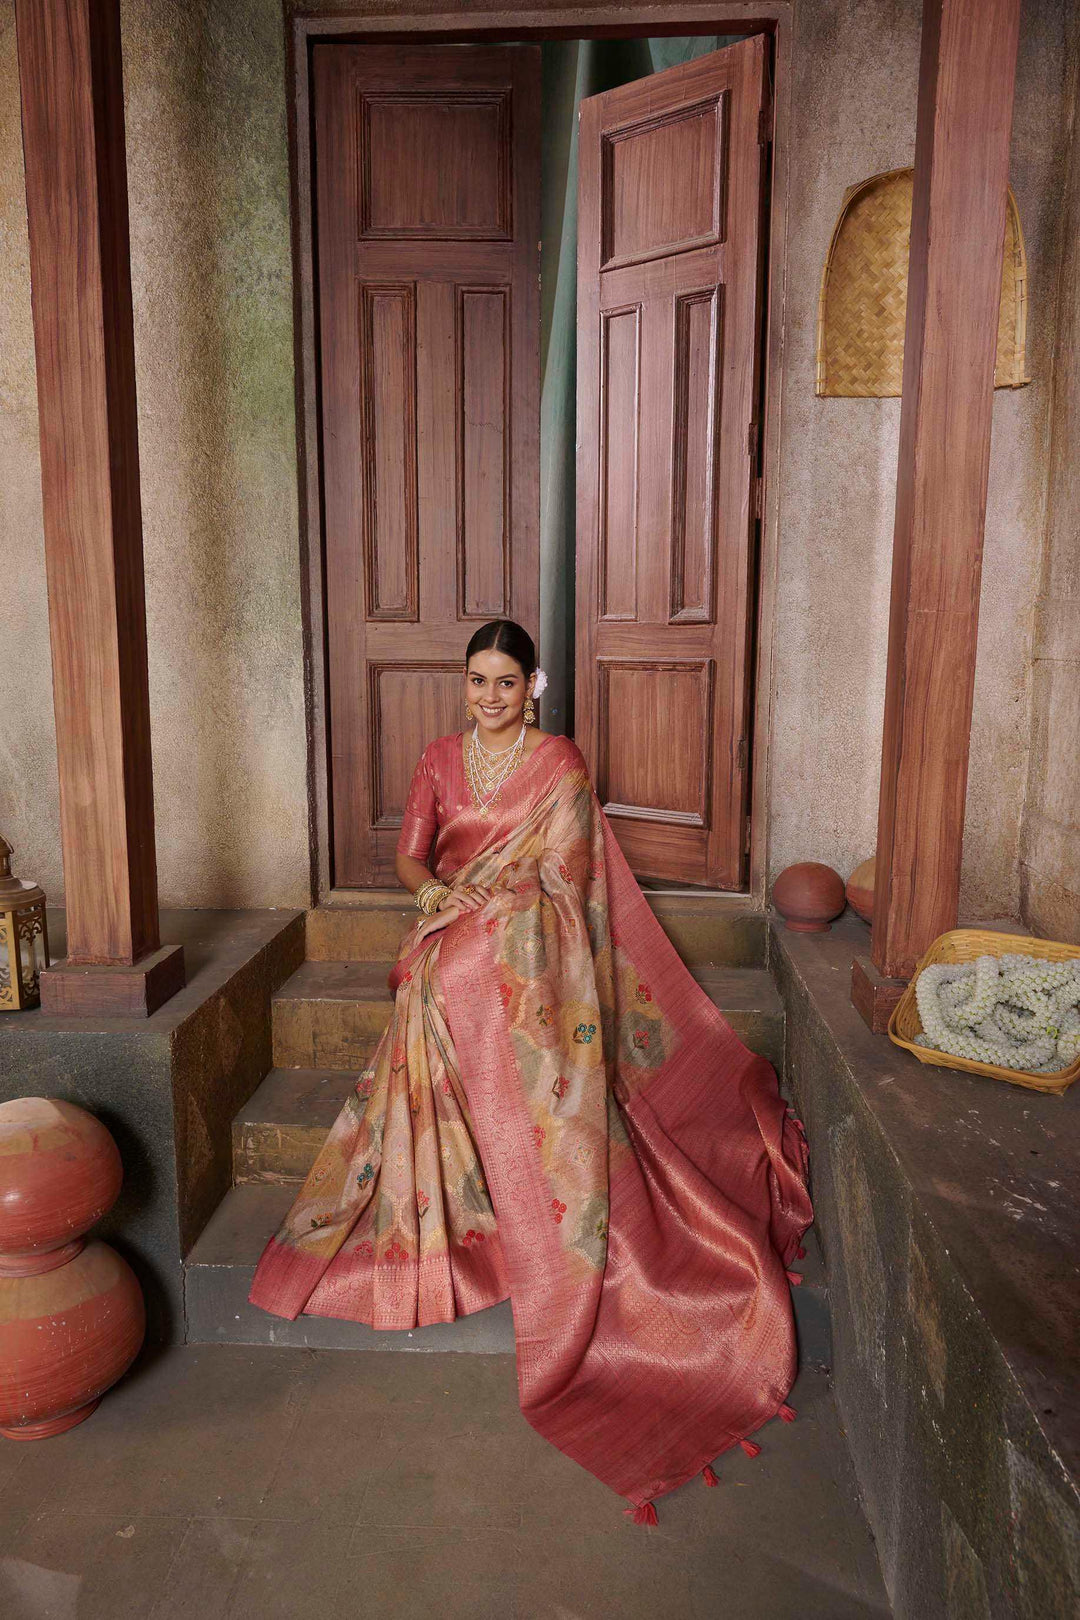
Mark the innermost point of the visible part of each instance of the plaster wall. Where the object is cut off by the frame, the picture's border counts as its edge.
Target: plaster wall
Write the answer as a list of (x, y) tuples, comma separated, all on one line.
[(854, 91), (1050, 845), (208, 180)]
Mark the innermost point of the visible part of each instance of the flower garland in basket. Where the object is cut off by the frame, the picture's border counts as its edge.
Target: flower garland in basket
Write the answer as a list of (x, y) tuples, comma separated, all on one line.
[(1017, 1012)]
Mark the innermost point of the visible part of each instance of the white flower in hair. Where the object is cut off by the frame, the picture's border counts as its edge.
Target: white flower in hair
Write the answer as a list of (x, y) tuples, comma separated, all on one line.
[(541, 682)]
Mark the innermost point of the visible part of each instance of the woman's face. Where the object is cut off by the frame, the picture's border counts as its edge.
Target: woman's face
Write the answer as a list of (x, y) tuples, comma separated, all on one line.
[(496, 689)]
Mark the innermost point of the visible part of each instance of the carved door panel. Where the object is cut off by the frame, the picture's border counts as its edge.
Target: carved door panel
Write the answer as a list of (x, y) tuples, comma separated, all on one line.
[(427, 227), (669, 255)]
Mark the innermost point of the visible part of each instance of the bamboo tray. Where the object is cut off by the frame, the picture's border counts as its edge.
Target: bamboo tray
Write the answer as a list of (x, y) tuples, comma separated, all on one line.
[(964, 945)]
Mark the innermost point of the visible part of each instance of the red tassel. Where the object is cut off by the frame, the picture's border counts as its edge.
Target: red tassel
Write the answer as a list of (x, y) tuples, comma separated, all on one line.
[(645, 1514), (708, 1476), (787, 1413), (794, 1276), (800, 1253), (751, 1448)]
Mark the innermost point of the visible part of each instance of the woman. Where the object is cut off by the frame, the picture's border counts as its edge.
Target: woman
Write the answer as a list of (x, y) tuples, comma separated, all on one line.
[(557, 1113)]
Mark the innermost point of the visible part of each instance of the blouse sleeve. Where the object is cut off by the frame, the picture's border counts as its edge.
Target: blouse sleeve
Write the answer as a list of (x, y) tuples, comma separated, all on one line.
[(419, 822)]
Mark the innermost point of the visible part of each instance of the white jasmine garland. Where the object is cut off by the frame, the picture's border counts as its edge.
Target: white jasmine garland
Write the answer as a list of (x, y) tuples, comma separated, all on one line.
[(539, 683), (1014, 1011)]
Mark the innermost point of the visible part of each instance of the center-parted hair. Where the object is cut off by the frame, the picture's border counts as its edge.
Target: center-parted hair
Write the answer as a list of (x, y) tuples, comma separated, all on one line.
[(504, 636)]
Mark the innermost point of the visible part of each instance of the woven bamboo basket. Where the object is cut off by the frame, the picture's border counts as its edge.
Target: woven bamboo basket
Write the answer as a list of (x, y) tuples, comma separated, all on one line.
[(862, 306), (964, 945)]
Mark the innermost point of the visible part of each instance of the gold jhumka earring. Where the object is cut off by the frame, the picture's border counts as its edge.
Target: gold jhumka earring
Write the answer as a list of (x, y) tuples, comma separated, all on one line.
[(530, 712), (468, 712)]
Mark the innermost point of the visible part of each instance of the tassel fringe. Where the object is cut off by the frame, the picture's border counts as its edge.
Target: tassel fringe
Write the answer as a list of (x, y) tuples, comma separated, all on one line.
[(751, 1448), (794, 1276), (645, 1514), (787, 1413), (708, 1476)]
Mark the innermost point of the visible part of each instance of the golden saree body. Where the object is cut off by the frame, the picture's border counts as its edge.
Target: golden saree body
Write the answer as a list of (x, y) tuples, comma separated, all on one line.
[(557, 1113)]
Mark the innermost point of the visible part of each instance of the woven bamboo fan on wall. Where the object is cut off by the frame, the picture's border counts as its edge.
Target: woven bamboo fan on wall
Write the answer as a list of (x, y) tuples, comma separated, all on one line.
[(863, 302)]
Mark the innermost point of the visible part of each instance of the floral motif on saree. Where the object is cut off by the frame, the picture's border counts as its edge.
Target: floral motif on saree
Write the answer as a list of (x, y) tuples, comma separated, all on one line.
[(557, 1113)]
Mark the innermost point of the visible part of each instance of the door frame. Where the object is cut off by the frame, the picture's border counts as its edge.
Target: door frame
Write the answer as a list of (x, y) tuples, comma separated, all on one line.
[(476, 27)]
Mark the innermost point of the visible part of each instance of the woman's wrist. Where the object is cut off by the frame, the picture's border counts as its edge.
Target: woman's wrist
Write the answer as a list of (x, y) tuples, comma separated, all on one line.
[(430, 895)]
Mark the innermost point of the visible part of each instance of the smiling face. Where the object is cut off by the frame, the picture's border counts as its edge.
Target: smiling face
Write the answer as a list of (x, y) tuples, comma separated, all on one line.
[(496, 689)]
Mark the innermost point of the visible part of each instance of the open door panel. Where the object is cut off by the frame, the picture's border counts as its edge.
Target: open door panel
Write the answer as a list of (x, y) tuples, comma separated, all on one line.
[(671, 172)]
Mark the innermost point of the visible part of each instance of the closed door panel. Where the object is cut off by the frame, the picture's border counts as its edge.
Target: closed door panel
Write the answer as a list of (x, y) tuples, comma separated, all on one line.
[(427, 229), (669, 258)]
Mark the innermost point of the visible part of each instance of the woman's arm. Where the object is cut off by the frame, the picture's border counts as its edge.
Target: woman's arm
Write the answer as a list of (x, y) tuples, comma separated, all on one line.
[(412, 873)]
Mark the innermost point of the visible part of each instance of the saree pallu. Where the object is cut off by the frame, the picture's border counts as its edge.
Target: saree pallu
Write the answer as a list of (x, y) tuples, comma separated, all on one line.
[(557, 1113)]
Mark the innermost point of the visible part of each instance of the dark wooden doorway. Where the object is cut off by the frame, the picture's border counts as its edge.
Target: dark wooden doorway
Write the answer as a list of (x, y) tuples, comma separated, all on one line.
[(427, 171), (427, 167), (669, 313)]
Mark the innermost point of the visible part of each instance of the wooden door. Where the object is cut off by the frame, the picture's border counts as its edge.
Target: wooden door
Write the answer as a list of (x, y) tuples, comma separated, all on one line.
[(669, 272), (427, 173)]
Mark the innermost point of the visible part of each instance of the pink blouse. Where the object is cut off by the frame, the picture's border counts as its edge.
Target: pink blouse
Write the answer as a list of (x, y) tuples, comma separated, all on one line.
[(438, 791)]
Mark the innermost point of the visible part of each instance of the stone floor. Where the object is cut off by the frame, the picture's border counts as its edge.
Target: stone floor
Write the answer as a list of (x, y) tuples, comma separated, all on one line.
[(228, 1481)]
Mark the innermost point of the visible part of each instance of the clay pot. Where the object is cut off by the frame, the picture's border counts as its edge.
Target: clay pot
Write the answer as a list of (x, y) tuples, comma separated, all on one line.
[(66, 1335), (860, 889), (808, 896), (59, 1173), (71, 1314)]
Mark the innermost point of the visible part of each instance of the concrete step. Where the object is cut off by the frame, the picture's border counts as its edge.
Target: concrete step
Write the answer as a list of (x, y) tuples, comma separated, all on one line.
[(280, 1129), (218, 1273), (324, 1033), (329, 1015), (708, 930)]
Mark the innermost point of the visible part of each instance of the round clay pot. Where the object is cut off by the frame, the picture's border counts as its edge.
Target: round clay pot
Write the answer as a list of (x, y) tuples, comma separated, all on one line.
[(808, 896), (66, 1335), (59, 1173), (860, 889)]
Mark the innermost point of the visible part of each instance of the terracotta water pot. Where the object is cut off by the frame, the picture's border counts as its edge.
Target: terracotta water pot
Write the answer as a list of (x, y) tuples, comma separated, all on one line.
[(66, 1335), (860, 889), (59, 1173), (71, 1313), (808, 896)]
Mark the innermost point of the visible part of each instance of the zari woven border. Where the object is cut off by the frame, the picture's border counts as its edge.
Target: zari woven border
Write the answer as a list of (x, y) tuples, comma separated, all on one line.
[(965, 945), (862, 306)]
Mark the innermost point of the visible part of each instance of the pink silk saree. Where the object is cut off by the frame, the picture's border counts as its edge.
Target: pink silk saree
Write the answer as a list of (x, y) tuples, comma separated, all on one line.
[(558, 1114)]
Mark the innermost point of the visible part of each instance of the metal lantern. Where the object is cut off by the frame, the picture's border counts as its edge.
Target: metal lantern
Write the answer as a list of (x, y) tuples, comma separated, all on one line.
[(24, 938)]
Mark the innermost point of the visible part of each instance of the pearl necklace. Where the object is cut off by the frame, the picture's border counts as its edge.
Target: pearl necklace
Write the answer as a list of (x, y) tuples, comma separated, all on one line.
[(486, 776)]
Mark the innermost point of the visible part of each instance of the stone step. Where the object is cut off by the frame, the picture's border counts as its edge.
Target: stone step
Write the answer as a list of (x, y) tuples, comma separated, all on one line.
[(708, 930), (280, 1129), (218, 1273), (217, 1278), (329, 1015), (324, 1034)]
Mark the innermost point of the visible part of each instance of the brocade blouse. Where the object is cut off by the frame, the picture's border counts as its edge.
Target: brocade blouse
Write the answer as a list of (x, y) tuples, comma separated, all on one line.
[(438, 791)]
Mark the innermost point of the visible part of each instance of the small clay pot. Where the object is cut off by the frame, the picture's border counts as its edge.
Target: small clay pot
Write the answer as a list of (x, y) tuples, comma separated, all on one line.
[(808, 896), (66, 1335), (59, 1173), (860, 889)]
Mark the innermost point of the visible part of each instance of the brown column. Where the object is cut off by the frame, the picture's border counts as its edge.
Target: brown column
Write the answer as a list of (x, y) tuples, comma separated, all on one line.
[(966, 83), (76, 198)]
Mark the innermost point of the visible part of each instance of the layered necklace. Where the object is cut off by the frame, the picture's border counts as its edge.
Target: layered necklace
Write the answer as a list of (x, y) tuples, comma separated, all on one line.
[(488, 769)]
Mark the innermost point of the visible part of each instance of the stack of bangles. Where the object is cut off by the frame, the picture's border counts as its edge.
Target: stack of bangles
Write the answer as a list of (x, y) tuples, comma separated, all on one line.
[(430, 896)]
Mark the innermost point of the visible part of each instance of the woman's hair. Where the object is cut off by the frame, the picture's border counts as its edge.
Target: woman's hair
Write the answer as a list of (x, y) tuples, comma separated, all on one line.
[(503, 635)]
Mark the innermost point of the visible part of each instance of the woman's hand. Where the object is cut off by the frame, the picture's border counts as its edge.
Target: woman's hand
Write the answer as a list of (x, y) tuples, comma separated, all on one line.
[(456, 904), (437, 921), (470, 897)]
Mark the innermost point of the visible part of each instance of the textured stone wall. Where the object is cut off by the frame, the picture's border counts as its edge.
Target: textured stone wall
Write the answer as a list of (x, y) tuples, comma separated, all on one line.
[(212, 285), (208, 180), (1050, 848), (854, 92)]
